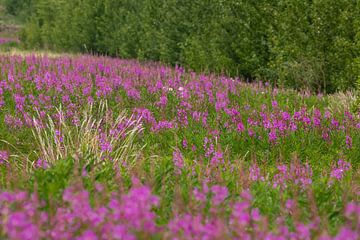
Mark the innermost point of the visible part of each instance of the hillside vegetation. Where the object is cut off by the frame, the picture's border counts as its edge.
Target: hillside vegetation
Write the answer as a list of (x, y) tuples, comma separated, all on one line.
[(294, 43), (182, 120), (101, 147)]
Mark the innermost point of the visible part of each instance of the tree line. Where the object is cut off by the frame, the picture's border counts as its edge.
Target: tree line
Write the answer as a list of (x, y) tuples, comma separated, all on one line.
[(311, 44)]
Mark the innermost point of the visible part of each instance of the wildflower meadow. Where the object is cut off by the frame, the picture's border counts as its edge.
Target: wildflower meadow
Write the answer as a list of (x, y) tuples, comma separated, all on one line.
[(96, 147)]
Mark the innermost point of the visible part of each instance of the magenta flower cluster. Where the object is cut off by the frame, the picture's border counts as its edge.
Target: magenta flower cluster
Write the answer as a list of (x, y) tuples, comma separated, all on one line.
[(8, 40), (69, 78), (131, 216)]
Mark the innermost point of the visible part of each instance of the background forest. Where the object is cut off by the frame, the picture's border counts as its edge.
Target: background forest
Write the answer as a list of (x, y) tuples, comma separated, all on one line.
[(312, 44)]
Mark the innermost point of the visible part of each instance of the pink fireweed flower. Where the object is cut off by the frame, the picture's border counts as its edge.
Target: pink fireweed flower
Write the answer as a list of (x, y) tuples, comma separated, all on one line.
[(298, 174), (196, 116), (317, 122), (217, 158), (145, 115), (325, 135), (88, 235), (334, 123), (84, 172), (251, 122), (204, 119), (348, 115), (193, 148), (352, 210), (306, 120), (136, 209), (105, 146), (163, 101), (286, 116), (290, 204), (41, 163), (251, 132), (317, 113), (163, 125), (297, 116), (327, 114), (293, 126), (272, 136), (4, 157), (199, 195), (184, 143), (182, 117), (348, 234), (19, 226), (303, 231), (281, 177), (219, 193), (274, 104), (240, 127), (338, 172), (267, 124), (255, 174), (58, 136), (8, 40), (255, 214), (134, 94), (184, 94), (2, 101), (208, 147), (194, 227), (20, 102), (178, 161), (221, 101), (90, 100), (246, 195), (280, 125), (241, 216), (76, 121), (348, 141), (186, 105), (301, 174), (120, 232), (13, 122)]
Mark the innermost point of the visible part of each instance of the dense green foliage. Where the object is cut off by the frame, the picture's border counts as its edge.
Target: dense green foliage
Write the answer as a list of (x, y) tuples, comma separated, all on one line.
[(20, 8), (296, 43)]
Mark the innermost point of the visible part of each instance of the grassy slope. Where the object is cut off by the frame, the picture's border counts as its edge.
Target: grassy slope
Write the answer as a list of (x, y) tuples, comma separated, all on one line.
[(157, 167)]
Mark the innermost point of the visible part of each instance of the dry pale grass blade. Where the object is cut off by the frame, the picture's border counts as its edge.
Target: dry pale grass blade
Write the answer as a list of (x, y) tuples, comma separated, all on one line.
[(340, 101), (24, 53), (60, 140), (128, 152), (21, 160)]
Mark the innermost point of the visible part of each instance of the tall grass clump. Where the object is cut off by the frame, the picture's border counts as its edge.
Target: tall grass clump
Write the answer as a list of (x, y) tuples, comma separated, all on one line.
[(96, 136)]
